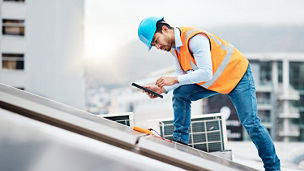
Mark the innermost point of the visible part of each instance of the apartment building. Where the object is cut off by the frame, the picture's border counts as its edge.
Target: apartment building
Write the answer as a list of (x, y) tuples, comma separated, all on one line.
[(41, 48), (131, 99), (279, 84), (279, 80)]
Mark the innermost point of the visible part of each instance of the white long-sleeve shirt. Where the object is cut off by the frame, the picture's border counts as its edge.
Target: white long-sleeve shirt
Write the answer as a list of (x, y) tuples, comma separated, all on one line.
[(200, 47)]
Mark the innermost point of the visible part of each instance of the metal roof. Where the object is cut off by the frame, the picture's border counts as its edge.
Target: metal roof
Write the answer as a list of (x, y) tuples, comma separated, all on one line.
[(106, 135)]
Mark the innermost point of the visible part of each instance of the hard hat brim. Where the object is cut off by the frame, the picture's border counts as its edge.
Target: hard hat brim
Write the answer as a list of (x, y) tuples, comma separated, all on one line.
[(147, 29)]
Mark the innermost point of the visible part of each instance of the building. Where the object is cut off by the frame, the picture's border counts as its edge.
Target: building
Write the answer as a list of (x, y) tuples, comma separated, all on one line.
[(41, 48), (279, 90), (131, 99), (280, 95)]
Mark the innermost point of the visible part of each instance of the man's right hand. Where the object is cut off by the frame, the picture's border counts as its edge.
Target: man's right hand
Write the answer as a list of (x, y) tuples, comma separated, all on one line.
[(154, 88)]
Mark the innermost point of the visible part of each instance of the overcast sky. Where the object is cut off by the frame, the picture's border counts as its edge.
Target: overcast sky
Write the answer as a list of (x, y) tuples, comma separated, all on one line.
[(113, 23)]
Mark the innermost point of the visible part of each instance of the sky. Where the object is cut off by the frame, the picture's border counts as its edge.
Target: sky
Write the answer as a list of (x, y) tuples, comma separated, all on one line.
[(110, 25)]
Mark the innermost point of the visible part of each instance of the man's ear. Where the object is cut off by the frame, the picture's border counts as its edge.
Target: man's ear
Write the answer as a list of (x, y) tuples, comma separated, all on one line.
[(164, 28)]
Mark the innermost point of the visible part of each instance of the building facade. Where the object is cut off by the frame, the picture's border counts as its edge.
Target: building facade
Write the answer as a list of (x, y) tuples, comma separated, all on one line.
[(279, 80), (280, 93), (131, 99), (41, 48), (280, 96)]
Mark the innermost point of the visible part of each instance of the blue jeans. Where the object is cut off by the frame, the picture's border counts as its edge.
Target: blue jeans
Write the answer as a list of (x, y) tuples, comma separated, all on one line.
[(244, 100)]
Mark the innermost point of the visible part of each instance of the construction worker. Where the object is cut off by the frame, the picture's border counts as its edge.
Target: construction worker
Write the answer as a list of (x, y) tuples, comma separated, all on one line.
[(206, 65)]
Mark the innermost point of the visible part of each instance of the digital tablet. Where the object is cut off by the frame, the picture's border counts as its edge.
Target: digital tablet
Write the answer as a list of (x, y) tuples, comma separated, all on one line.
[(147, 90)]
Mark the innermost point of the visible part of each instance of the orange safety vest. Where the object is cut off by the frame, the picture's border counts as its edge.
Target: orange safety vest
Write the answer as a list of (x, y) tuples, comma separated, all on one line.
[(228, 64)]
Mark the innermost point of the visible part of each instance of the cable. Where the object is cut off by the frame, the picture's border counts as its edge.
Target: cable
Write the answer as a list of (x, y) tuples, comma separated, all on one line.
[(159, 136)]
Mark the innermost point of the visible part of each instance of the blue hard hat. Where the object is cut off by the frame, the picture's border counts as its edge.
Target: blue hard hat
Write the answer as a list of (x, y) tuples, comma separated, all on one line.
[(147, 28)]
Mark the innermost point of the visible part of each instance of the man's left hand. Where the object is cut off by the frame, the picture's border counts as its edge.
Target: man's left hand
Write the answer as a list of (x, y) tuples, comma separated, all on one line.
[(166, 81)]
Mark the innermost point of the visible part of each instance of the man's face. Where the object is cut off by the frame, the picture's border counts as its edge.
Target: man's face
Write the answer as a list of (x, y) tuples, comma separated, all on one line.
[(161, 40)]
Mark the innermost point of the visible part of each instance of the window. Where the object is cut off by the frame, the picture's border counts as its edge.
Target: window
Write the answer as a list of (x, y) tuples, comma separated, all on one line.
[(264, 115), (265, 73), (13, 61), (13, 27), (296, 76), (263, 98), (280, 71)]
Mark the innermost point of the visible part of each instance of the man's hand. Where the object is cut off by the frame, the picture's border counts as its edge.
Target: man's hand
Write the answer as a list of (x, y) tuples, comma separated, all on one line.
[(155, 89), (166, 81)]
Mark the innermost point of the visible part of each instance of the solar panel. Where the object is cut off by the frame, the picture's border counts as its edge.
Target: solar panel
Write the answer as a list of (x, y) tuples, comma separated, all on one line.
[(107, 133), (122, 118), (206, 132)]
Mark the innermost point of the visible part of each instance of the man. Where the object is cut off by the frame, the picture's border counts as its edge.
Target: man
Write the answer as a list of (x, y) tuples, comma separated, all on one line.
[(206, 65)]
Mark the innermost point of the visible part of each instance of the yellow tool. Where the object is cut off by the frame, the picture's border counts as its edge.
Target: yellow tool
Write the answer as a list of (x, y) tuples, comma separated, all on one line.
[(142, 130)]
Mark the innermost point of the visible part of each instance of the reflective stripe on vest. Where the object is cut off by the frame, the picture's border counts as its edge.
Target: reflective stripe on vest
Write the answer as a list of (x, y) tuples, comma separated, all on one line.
[(224, 63), (228, 63), (194, 67)]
